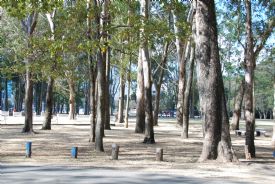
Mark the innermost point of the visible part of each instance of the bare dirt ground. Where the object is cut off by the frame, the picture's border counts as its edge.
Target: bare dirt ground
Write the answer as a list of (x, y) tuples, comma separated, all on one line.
[(52, 149)]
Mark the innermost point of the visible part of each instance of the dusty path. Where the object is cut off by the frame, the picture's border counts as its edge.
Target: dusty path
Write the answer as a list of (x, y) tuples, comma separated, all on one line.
[(51, 157)]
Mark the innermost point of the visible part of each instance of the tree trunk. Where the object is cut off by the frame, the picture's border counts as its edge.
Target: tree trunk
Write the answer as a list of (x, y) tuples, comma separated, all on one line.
[(140, 112), (92, 99), (121, 98), (72, 99), (38, 96), (107, 91), (238, 107), (28, 127), (49, 105), (128, 94), (249, 78), (159, 82), (144, 53), (101, 78), (185, 110), (217, 138), (180, 48)]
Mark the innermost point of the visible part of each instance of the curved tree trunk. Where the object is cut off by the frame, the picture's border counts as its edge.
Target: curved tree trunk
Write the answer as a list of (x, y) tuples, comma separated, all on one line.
[(238, 107), (49, 105), (72, 99)]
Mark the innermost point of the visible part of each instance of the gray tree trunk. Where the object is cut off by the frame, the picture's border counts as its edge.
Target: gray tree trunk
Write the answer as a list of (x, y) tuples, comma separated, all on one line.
[(159, 82), (121, 98), (249, 78), (72, 114), (49, 105), (238, 107), (217, 138), (28, 27), (185, 110), (149, 129), (140, 111)]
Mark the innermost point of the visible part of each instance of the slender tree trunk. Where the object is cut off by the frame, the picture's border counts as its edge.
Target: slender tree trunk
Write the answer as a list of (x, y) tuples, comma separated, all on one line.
[(185, 110), (38, 96), (28, 127), (249, 78), (101, 78), (159, 82), (72, 99), (217, 138), (128, 94), (144, 54), (180, 48), (49, 105), (92, 100), (121, 98), (107, 94), (140, 120), (238, 107)]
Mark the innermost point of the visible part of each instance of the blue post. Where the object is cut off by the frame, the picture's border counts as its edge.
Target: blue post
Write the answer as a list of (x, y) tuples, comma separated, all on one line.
[(28, 149), (273, 154), (74, 152)]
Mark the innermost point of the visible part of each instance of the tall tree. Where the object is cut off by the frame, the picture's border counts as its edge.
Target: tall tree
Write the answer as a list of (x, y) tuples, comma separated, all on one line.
[(144, 54), (29, 25), (49, 93), (217, 143)]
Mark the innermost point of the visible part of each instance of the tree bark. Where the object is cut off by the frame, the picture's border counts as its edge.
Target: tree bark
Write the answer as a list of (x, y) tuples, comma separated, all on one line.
[(144, 53), (107, 91), (159, 82), (128, 93), (140, 111), (92, 99), (101, 78), (216, 143), (72, 113), (238, 107), (121, 98), (28, 127), (49, 105), (249, 78), (185, 110)]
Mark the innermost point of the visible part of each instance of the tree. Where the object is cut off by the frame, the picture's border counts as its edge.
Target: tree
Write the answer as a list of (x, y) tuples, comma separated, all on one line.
[(217, 143), (144, 57)]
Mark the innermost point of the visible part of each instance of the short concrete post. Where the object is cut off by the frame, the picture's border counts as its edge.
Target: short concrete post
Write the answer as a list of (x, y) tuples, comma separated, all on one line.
[(74, 152), (115, 150), (28, 149), (159, 154)]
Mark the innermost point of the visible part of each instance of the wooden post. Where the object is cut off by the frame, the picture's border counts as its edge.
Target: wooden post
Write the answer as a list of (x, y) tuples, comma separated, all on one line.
[(159, 154), (28, 149), (115, 150)]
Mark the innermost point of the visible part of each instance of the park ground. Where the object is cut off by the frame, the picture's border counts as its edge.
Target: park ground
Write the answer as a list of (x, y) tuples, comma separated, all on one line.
[(51, 161)]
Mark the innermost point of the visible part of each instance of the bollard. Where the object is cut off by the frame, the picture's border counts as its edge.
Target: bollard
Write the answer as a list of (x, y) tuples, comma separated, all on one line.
[(28, 149), (115, 150), (159, 154), (74, 152), (273, 154)]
